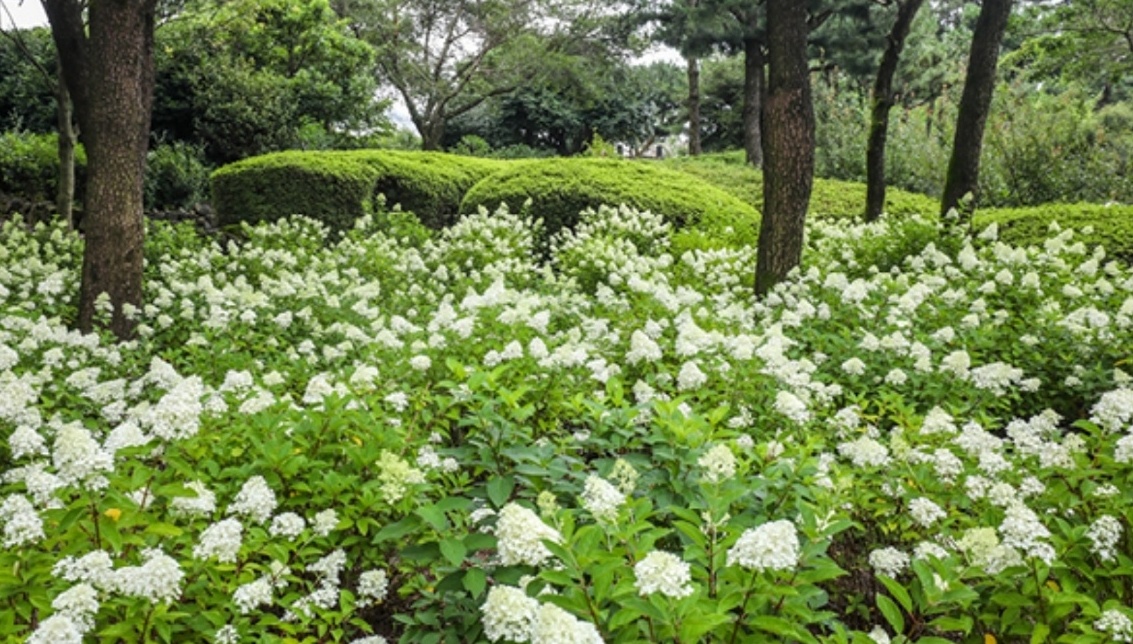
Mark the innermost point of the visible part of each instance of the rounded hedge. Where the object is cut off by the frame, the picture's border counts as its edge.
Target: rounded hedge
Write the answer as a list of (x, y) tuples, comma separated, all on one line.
[(337, 187), (559, 189), (1095, 224)]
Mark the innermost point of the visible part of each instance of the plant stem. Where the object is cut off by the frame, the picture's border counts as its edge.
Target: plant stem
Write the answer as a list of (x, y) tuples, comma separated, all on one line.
[(743, 607)]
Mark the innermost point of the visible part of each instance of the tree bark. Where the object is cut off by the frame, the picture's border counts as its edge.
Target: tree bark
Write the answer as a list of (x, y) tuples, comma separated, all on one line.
[(432, 133), (693, 106), (65, 196), (882, 103), (754, 62), (108, 66), (788, 144), (975, 103)]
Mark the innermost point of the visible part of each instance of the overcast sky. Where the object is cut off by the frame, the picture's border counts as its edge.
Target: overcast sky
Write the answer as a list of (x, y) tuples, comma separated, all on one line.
[(28, 13)]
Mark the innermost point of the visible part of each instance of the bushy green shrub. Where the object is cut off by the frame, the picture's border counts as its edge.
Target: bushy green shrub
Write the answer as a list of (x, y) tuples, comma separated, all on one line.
[(176, 176), (1096, 225), (330, 187), (428, 184), (559, 189), (339, 186), (830, 198), (29, 165)]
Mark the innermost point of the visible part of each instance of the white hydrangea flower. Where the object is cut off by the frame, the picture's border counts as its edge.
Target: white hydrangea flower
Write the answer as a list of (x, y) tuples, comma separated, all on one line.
[(925, 512), (793, 407), (201, 505), (663, 572), (324, 522), (25, 441), (226, 634), (519, 533), (1104, 533), (888, 561), (255, 500), (690, 376), (22, 525), (158, 579), (80, 603), (553, 625), (396, 475), (508, 614), (373, 586), (60, 628), (1116, 623), (718, 463), (288, 525), (79, 459), (771, 546), (602, 499), (248, 597), (865, 452), (221, 540), (1114, 410)]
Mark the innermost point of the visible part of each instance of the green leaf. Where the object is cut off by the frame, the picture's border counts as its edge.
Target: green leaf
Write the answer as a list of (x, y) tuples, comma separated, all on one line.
[(695, 626), (397, 530), (453, 550), (475, 581), (434, 516), (891, 612), (898, 591), (1040, 634), (499, 490), (164, 530)]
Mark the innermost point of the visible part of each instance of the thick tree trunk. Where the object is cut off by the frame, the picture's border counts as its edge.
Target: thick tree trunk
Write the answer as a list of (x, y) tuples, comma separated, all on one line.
[(65, 196), (432, 133), (975, 103), (788, 144), (693, 106), (882, 102), (753, 100), (108, 65)]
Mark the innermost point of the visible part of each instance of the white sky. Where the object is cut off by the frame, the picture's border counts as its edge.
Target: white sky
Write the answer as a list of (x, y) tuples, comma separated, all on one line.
[(27, 13)]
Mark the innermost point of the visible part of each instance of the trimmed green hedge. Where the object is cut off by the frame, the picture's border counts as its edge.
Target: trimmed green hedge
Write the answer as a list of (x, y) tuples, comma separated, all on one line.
[(561, 188), (431, 185), (830, 197), (323, 186), (337, 187), (1112, 225)]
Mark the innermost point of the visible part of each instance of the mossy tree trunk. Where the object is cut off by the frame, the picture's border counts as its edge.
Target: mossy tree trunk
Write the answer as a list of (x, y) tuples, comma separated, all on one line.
[(788, 144), (975, 103), (882, 102), (65, 195), (107, 62)]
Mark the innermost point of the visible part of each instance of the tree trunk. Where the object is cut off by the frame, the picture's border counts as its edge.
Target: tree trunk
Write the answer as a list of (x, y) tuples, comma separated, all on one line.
[(65, 196), (882, 102), (788, 144), (108, 65), (975, 103), (693, 106), (432, 133), (753, 100)]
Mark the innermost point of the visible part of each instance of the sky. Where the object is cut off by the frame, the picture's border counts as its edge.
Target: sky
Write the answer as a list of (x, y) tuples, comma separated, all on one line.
[(26, 13)]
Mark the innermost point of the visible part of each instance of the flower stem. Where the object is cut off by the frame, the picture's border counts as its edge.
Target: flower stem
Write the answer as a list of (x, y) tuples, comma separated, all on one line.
[(743, 607)]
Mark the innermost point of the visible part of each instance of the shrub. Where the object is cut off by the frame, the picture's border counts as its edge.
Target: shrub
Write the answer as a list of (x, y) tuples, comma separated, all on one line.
[(559, 189), (428, 184), (29, 165), (332, 188), (176, 176), (337, 187), (1095, 225)]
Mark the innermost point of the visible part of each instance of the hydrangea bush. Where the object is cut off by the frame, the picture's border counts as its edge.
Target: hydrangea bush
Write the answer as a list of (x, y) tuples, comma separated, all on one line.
[(451, 437)]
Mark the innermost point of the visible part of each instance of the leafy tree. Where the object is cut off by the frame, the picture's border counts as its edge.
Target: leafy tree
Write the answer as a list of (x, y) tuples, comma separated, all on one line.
[(975, 103), (446, 57), (107, 63), (788, 144), (244, 77)]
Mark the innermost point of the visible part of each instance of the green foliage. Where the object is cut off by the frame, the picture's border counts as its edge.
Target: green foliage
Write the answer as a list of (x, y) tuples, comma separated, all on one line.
[(472, 145), (337, 187), (247, 77), (27, 98), (1110, 226), (176, 176), (428, 184), (29, 165), (559, 189), (325, 186)]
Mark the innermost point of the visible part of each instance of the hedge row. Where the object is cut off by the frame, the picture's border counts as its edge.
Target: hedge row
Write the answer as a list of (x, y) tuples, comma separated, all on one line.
[(712, 201), (29, 166)]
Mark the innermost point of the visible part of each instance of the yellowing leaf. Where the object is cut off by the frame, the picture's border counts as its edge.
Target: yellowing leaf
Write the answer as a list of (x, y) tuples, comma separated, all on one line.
[(990, 639), (1053, 585), (114, 514)]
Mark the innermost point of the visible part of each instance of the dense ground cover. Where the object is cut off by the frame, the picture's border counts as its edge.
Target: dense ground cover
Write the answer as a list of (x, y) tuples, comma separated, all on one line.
[(432, 437)]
